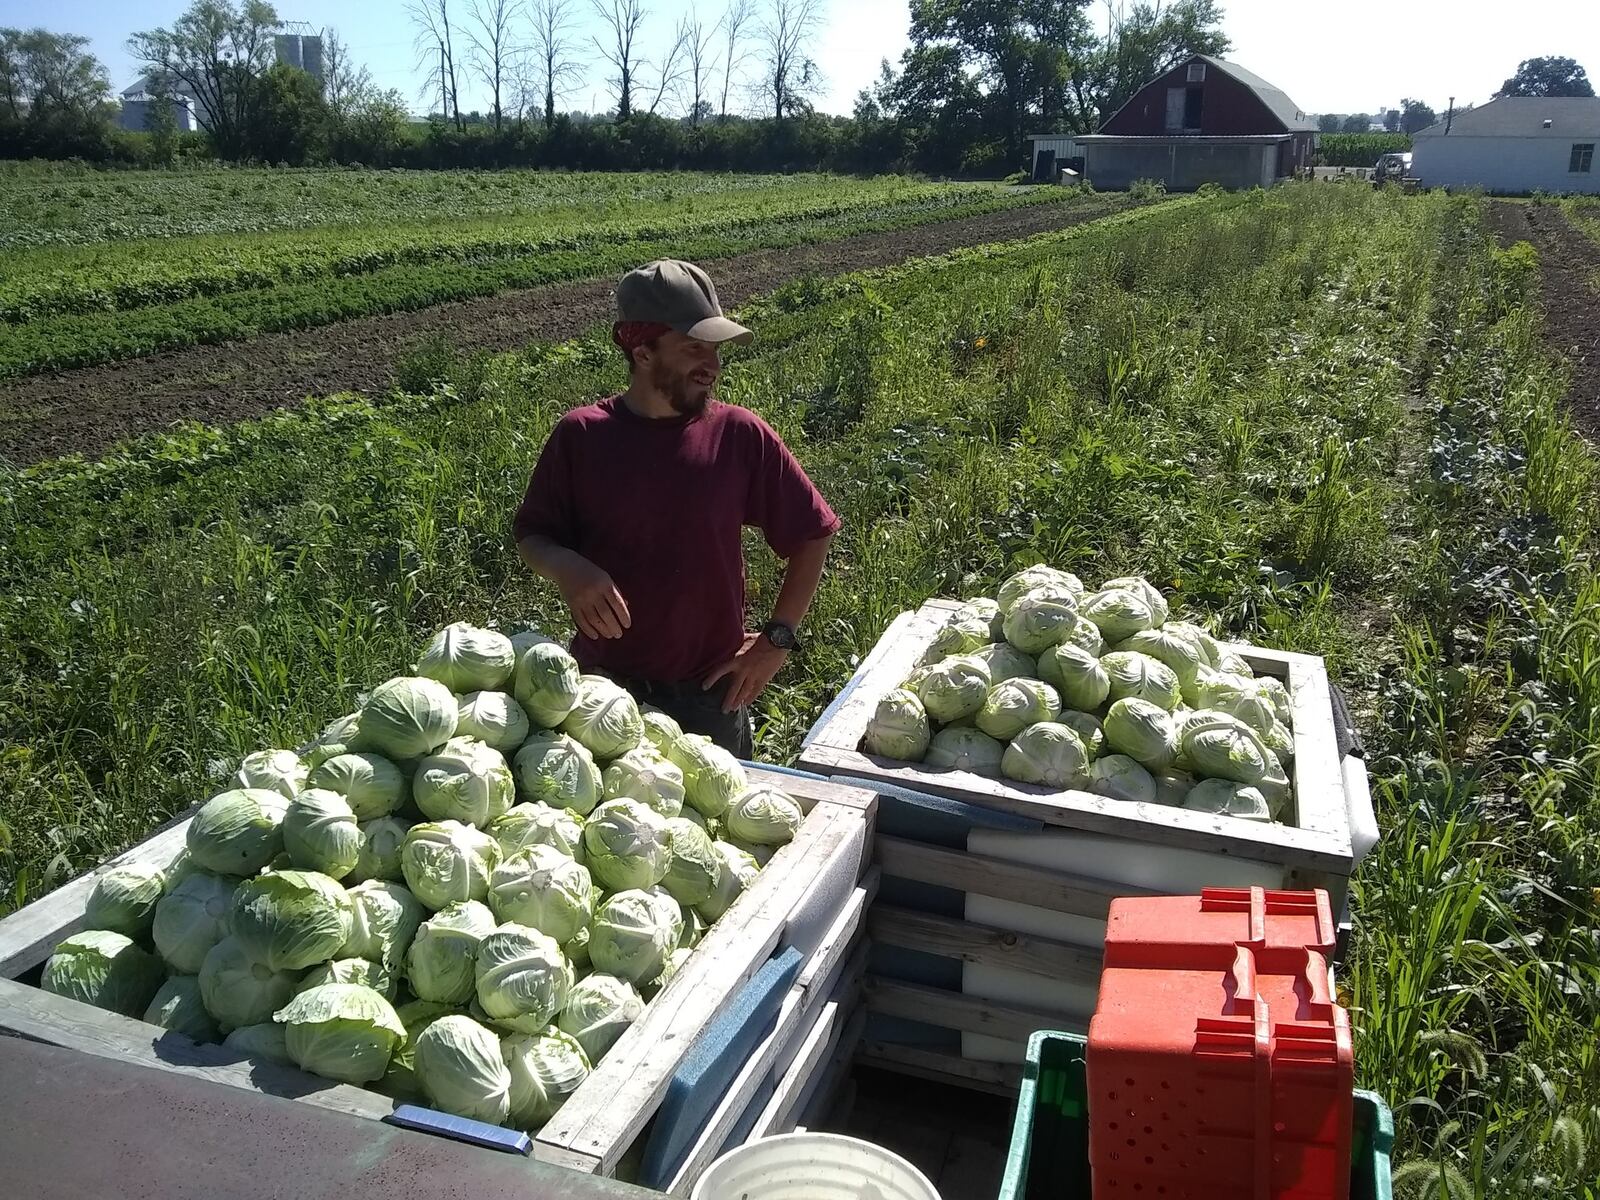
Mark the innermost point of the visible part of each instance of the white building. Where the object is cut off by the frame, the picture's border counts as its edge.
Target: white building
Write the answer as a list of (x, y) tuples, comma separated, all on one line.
[(1517, 144), (137, 100)]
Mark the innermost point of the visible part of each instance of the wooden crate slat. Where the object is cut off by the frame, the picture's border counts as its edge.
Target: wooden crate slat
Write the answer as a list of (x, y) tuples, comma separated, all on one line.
[(43, 1017), (1000, 878), (968, 1014), (985, 945), (1001, 1079)]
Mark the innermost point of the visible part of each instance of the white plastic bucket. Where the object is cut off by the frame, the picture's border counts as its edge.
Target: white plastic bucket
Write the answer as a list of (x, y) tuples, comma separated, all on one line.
[(812, 1166)]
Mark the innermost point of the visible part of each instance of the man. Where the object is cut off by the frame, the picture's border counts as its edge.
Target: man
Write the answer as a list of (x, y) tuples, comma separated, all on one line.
[(635, 508)]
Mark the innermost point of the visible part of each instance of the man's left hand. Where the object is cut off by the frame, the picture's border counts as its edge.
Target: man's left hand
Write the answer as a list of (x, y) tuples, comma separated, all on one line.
[(748, 672)]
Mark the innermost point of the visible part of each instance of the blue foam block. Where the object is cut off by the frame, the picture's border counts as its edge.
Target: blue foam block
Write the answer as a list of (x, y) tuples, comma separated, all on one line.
[(707, 1071), (460, 1129)]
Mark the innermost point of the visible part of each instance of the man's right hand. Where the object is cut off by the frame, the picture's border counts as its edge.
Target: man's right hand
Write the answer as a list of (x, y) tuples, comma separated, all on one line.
[(597, 607)]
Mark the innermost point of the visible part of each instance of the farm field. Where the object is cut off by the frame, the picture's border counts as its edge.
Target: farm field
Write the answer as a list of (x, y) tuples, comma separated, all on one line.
[(1328, 413)]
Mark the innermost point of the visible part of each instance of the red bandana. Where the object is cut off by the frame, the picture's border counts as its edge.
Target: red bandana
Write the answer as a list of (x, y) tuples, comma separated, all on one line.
[(630, 335)]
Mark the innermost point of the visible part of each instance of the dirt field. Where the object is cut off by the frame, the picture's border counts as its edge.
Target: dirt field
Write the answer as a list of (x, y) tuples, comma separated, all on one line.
[(1569, 264), (86, 411)]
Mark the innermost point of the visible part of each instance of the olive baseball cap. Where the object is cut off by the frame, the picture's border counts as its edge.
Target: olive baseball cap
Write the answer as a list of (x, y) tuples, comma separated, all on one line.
[(678, 294)]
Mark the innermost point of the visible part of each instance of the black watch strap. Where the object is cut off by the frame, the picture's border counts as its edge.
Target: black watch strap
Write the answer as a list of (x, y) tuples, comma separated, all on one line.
[(781, 635)]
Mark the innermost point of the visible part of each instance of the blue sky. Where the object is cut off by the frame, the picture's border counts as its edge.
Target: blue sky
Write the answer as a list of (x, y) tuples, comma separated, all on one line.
[(1329, 55)]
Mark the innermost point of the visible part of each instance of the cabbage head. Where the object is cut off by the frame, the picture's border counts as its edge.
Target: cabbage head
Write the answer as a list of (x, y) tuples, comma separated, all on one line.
[(493, 718), (278, 771), (523, 978), (762, 854), (526, 825), (1040, 620), (577, 951), (1236, 695), (964, 748), (953, 689), (545, 1068), (239, 990), (384, 919), (340, 736), (291, 920), (1014, 705), (237, 832), (674, 964), (461, 1069), (124, 899), (1076, 675), (696, 868), (554, 769), (466, 781), (1146, 591), (376, 976), (1121, 778), (1229, 799), (408, 717), (441, 964), (1274, 785), (1172, 786), (1141, 677), (341, 1031), (1220, 746), (1005, 662), (599, 1010), (1143, 731), (371, 785), (320, 833), (631, 936), (764, 815), (192, 918), (1034, 578), (605, 719), (108, 970), (1085, 634), (264, 1040), (1210, 649), (177, 1007), (694, 927), (739, 871), (1278, 696), (446, 861), (1088, 729), (400, 1080), (1046, 753), (381, 841), (913, 682), (1180, 652), (1118, 613), (1231, 663), (987, 611), (542, 888), (546, 684), (468, 659), (527, 638), (899, 728), (660, 730), (964, 633), (711, 776), (1280, 741), (645, 776), (626, 845)]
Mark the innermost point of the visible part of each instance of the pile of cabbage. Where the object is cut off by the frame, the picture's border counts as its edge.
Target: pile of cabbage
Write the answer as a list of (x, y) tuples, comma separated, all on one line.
[(462, 894), (1054, 685)]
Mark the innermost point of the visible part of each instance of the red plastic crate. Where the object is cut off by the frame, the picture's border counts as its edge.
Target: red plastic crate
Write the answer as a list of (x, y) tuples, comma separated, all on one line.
[(1219, 1065)]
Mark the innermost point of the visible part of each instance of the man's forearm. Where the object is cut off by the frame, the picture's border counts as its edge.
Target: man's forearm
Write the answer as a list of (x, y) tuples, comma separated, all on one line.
[(546, 557), (800, 580)]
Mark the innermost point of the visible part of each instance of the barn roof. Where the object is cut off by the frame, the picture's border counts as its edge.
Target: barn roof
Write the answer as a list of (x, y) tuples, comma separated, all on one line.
[(1285, 109), (1525, 116)]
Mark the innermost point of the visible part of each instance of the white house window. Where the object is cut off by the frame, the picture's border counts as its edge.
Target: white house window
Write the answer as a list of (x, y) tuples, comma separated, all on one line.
[(1197, 73), (1582, 160)]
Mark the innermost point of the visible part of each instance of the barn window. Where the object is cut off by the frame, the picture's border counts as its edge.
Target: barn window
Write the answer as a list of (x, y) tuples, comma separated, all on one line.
[(1582, 160), (1197, 73)]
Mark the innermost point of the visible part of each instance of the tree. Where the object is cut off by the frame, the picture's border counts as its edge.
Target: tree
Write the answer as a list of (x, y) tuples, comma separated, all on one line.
[(1415, 115), (1550, 76), (1143, 42), (1356, 123), (373, 128), (672, 69), (553, 52), (697, 38), (345, 82), (54, 95), (735, 30), (216, 52), (785, 35), (1329, 122), (288, 121), (618, 47), (489, 31), (436, 52), (160, 121)]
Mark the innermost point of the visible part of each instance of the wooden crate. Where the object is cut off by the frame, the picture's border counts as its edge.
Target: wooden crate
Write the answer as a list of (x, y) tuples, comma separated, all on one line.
[(811, 896), (1312, 849)]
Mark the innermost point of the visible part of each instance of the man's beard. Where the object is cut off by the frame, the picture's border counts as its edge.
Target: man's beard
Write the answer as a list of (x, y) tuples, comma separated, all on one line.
[(685, 395)]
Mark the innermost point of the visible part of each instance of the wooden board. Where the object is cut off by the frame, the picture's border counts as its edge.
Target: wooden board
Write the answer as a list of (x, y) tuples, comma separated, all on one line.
[(1000, 878), (984, 945), (1319, 843), (1002, 1079), (969, 1014)]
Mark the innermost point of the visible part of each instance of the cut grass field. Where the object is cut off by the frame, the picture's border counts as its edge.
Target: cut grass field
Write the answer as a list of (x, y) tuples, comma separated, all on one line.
[(1326, 414)]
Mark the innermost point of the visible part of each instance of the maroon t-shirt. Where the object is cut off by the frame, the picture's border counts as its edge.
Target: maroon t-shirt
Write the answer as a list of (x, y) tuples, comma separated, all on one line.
[(658, 505)]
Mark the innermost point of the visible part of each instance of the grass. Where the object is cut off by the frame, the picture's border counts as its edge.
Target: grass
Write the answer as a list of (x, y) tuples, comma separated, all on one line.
[(1324, 414)]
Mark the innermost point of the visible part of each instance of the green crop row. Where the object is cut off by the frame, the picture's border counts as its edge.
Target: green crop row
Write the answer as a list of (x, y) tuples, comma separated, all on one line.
[(84, 339)]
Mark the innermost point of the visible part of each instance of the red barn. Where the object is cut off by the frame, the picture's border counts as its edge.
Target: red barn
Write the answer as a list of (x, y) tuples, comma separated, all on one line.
[(1204, 121)]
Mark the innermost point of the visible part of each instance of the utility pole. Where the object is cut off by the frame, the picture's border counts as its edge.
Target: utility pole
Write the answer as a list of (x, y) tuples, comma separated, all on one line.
[(1449, 116)]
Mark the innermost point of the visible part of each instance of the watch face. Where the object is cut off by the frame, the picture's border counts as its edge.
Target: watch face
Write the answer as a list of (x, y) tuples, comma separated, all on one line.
[(780, 636)]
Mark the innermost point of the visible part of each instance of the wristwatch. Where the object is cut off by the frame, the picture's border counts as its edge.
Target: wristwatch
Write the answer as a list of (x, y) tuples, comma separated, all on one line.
[(780, 635)]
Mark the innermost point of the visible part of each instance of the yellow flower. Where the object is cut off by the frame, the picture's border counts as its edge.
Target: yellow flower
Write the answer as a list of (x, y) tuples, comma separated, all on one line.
[(979, 343)]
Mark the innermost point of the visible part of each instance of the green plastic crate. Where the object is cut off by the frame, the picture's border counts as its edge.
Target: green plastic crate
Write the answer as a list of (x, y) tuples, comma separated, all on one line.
[(1049, 1156)]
